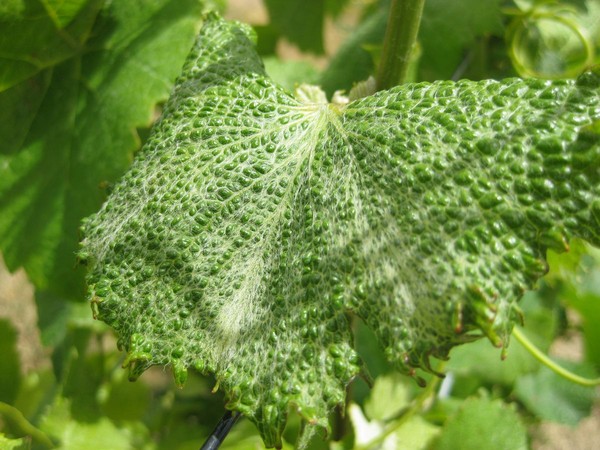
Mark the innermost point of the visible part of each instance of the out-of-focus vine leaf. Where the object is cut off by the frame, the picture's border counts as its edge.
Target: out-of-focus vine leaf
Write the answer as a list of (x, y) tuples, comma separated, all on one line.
[(448, 28), (581, 291), (124, 401), (554, 39), (75, 120), (12, 444), (483, 423), (35, 392), (389, 396), (353, 62), (100, 433), (56, 316), (254, 221), (300, 21), (31, 41), (10, 365), (551, 397), (290, 74), (335, 7), (62, 12), (415, 433)]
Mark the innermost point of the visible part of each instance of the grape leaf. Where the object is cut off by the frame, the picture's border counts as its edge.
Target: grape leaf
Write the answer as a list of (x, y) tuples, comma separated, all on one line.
[(254, 221), (63, 12), (71, 126), (31, 41), (448, 27), (59, 423), (299, 21), (12, 444), (10, 373), (551, 397), (483, 423)]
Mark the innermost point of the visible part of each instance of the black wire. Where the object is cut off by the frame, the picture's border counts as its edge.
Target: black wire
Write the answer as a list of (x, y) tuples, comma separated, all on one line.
[(220, 432)]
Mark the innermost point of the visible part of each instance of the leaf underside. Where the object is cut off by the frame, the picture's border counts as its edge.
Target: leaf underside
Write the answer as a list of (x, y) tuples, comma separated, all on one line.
[(253, 223)]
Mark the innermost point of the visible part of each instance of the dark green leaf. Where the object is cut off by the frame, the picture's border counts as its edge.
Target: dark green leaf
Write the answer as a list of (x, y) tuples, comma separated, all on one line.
[(300, 21), (448, 28), (77, 123), (30, 41), (63, 12), (10, 365), (99, 434)]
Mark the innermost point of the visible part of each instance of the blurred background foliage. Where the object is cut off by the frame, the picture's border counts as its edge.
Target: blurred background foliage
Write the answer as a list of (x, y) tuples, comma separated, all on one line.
[(81, 82)]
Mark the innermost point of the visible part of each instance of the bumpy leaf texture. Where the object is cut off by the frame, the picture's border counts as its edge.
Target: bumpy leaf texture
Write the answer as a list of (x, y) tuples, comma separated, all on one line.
[(254, 222)]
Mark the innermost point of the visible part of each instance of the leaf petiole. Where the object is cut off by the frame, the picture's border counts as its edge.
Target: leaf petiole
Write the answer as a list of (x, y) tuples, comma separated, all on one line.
[(16, 417), (545, 360), (399, 41)]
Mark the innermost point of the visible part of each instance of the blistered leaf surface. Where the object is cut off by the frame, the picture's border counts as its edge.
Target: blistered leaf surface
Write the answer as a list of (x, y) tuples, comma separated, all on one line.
[(253, 222)]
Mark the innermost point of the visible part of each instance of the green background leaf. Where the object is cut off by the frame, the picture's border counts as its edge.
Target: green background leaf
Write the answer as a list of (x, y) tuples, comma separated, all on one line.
[(300, 21), (10, 366), (483, 423), (12, 444), (553, 398), (78, 128), (448, 28)]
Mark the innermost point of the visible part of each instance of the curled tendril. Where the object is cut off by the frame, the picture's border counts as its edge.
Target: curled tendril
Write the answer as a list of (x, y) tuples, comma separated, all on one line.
[(527, 23)]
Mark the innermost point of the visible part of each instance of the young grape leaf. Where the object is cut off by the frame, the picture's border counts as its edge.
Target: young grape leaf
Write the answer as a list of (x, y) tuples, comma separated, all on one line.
[(254, 221)]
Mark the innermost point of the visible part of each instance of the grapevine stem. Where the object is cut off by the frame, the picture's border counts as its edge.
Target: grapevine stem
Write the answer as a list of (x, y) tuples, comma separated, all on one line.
[(400, 37), (545, 360), (13, 415)]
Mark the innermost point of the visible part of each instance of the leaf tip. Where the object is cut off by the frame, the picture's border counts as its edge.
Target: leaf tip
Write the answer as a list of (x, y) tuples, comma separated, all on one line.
[(180, 373)]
